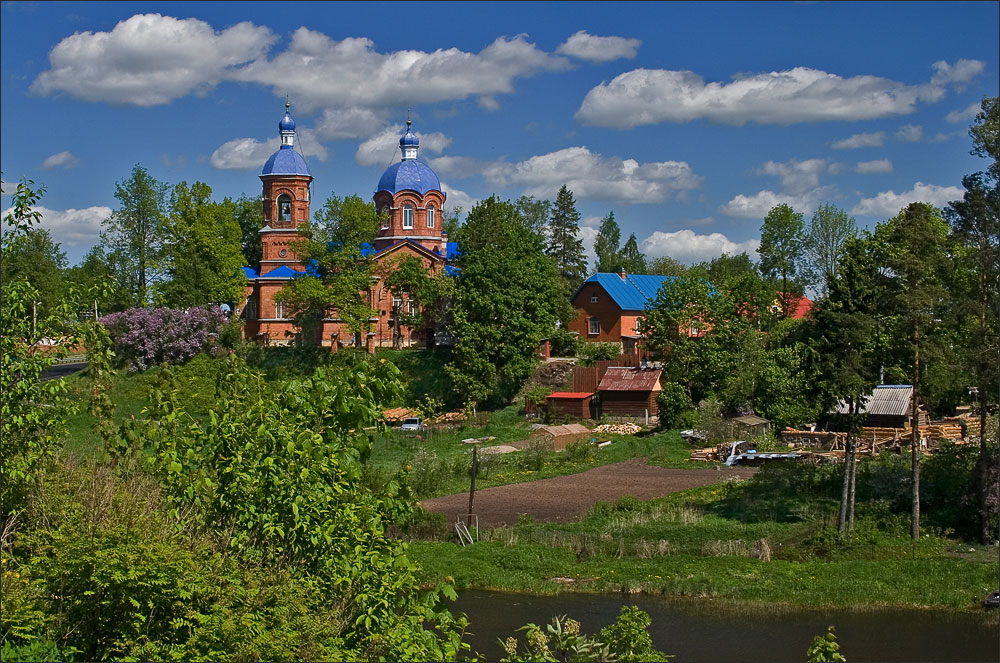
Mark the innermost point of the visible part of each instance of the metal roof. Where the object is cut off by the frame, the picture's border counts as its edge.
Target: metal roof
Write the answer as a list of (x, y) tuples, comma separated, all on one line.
[(558, 431), (751, 420), (410, 174), (630, 379), (286, 161), (631, 293), (886, 399), (574, 395), (283, 272)]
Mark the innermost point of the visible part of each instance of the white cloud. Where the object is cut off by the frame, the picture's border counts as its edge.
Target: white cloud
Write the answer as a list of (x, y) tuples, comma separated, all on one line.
[(71, 227), (588, 235), (875, 139), (380, 149), (247, 153), (598, 49), (759, 204), (958, 74), (889, 203), (149, 59), (320, 72), (595, 177), (349, 123), (60, 160), (910, 133), (457, 167), (874, 167), (455, 198), (689, 247), (965, 114), (7, 188), (591, 222), (798, 176), (650, 96), (488, 102)]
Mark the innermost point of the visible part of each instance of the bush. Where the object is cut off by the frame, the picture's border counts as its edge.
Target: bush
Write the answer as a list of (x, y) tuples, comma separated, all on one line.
[(591, 353), (672, 402), (534, 456), (145, 337), (565, 343)]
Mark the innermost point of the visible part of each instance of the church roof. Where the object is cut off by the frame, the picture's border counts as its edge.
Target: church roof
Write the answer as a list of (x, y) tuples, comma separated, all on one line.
[(410, 174), (283, 272), (286, 161)]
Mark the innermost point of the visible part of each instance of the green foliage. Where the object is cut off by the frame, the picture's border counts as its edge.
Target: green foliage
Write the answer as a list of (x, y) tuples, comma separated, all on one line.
[(535, 213), (672, 402), (33, 257), (825, 649), (824, 242), (780, 250), (505, 303), (632, 260), (249, 214), (101, 408), (666, 266), (411, 284), (565, 343), (203, 256), (591, 353), (565, 245), (628, 637), (607, 246)]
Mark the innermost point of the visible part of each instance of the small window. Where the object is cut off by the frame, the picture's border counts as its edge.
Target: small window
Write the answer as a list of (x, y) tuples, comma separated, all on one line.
[(279, 309), (694, 329), (430, 216), (284, 208), (407, 216), (593, 299), (411, 307), (638, 325), (397, 303), (595, 325)]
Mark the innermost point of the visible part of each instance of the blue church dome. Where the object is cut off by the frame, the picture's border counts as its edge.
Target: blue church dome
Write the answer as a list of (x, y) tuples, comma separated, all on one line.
[(287, 123), (409, 174), (409, 138), (286, 161)]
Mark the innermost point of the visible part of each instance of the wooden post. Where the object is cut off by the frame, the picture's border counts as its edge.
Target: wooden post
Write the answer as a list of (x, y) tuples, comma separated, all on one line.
[(472, 476), (95, 310)]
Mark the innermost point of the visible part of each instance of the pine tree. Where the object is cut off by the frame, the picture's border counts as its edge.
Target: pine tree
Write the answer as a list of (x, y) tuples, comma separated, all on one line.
[(607, 245), (632, 260), (565, 244)]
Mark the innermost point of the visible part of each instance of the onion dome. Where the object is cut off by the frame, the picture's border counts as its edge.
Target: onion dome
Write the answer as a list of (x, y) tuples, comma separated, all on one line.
[(286, 161), (409, 173)]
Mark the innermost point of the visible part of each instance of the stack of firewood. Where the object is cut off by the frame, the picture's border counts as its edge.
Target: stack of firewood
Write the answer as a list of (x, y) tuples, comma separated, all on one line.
[(618, 429)]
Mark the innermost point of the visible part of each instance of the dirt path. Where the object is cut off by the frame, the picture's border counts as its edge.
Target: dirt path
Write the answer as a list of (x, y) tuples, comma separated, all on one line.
[(568, 497)]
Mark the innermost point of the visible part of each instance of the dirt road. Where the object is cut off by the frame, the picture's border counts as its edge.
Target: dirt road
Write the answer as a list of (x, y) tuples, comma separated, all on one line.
[(568, 497)]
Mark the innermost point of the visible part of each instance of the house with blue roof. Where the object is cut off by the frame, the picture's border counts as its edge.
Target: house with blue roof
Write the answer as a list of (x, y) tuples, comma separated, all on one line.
[(609, 307), (409, 199)]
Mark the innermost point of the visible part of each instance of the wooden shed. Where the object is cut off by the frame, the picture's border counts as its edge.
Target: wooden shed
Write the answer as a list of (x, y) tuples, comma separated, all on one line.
[(559, 437), (630, 392), (751, 426), (888, 406), (570, 403)]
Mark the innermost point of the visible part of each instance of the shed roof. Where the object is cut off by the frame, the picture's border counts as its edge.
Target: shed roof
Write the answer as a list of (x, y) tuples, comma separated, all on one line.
[(885, 399), (575, 395), (559, 431), (619, 378), (751, 420)]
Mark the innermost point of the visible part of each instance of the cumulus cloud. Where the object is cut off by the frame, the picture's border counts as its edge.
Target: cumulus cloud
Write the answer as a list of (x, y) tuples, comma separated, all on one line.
[(457, 167), (888, 203), (875, 139), (802, 94), (757, 206), (598, 49), (798, 176), (7, 188), (71, 227), (248, 153), (320, 72), (349, 123), (963, 115), (61, 160), (689, 247), (874, 167), (910, 133), (959, 74), (488, 102), (379, 149), (595, 177), (456, 198), (149, 59)]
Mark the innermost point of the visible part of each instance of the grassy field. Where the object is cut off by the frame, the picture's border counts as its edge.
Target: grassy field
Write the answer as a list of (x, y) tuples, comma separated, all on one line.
[(693, 544)]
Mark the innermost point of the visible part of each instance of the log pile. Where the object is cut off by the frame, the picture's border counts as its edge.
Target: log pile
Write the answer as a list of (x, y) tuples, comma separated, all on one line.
[(618, 429), (708, 454)]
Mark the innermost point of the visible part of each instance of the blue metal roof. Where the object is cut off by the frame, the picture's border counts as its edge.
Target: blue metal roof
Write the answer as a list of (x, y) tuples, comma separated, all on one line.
[(409, 174), (451, 270), (286, 161), (249, 272), (632, 293), (409, 138), (451, 250), (283, 272), (286, 123)]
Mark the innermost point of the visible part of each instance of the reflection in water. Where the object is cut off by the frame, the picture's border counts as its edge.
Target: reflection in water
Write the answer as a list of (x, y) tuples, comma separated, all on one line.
[(699, 630)]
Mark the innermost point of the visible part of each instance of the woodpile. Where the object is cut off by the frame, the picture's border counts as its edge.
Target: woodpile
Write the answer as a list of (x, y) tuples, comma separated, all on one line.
[(708, 454), (618, 429), (396, 415)]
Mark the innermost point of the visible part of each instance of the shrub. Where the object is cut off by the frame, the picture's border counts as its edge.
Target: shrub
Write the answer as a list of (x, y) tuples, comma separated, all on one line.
[(590, 353), (534, 456), (145, 337), (564, 343), (672, 402)]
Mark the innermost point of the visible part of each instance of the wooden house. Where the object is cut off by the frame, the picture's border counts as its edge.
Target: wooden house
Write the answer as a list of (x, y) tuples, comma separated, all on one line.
[(570, 403), (630, 392)]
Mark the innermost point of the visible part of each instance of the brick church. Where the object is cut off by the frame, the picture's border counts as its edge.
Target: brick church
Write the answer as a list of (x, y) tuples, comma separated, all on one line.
[(410, 200)]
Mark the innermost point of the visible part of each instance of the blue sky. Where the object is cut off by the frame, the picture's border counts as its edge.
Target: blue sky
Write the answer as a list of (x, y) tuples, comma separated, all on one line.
[(689, 120)]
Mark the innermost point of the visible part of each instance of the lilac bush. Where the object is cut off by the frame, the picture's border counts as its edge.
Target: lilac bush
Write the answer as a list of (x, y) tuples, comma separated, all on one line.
[(145, 337)]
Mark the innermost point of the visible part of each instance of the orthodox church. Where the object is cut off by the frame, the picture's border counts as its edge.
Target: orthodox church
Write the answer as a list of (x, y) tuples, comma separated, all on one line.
[(409, 199)]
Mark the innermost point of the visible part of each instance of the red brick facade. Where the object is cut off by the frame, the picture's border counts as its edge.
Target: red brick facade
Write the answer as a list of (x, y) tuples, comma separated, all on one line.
[(596, 311)]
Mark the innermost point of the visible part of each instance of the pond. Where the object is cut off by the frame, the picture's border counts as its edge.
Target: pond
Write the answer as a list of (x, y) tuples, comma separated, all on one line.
[(702, 630)]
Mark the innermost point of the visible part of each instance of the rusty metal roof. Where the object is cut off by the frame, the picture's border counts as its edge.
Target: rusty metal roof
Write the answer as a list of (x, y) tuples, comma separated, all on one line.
[(575, 395), (886, 399), (619, 378)]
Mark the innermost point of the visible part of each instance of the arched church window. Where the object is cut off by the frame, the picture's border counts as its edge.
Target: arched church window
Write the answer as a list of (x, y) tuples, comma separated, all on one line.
[(284, 207), (407, 216), (430, 216)]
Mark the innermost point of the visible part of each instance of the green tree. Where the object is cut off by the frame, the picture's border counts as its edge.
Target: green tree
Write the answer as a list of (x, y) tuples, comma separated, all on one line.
[(249, 214), (334, 249), (535, 213), (607, 246), (33, 257), (505, 303), (565, 245), (633, 262), (412, 288), (97, 280), (780, 251), (915, 251), (203, 255), (452, 221), (824, 243), (667, 266), (985, 133), (136, 233)]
